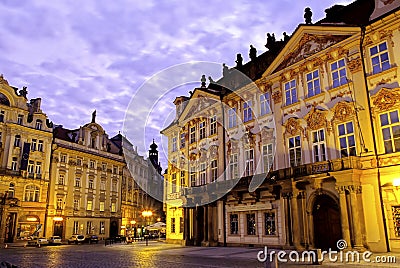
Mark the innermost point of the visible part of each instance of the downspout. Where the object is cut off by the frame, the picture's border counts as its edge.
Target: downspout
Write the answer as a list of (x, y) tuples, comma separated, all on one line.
[(224, 161), (373, 138)]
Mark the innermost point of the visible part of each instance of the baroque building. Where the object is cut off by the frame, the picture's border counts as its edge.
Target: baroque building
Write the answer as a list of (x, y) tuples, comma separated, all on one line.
[(25, 141), (297, 148)]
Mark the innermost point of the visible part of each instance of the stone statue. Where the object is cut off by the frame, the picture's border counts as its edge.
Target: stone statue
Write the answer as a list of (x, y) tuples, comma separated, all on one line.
[(94, 116), (252, 53), (270, 41), (239, 60), (211, 80), (285, 37), (225, 69), (307, 15), (203, 81), (23, 92)]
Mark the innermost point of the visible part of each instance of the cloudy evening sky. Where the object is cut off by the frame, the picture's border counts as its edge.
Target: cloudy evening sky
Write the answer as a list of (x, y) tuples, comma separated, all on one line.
[(79, 56)]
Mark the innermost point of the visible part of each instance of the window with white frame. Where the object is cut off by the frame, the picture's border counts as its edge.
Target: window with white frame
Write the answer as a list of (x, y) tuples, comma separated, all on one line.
[(183, 139), (247, 111), (38, 168), (61, 179), (31, 166), (17, 141), (60, 203), (90, 184), (338, 71), (38, 124), (232, 118), (379, 58), (89, 225), (233, 166), (183, 183), (290, 92), (76, 204), (31, 193), (192, 134), (249, 158), (14, 164), (203, 174), (202, 129), (77, 182), (265, 104), (213, 125), (63, 158), (40, 146), (114, 186), (192, 176), (174, 144), (102, 185), (89, 205), (319, 145), (173, 183), (390, 126), (91, 164), (347, 141), (75, 228), (268, 156), (33, 145), (214, 170), (313, 83), (294, 145), (20, 119)]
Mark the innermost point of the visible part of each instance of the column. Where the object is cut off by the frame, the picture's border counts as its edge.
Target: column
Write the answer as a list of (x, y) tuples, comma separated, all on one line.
[(205, 224), (287, 213), (295, 221), (344, 214), (354, 190), (304, 219), (210, 224)]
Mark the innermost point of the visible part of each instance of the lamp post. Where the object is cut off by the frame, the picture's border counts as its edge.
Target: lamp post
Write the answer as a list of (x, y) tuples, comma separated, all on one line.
[(147, 214), (133, 228)]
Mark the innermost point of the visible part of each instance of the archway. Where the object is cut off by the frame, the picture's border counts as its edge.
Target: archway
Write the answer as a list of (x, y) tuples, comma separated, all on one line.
[(326, 219)]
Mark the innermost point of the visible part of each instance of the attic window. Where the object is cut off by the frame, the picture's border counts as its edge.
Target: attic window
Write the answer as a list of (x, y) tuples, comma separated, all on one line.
[(38, 124)]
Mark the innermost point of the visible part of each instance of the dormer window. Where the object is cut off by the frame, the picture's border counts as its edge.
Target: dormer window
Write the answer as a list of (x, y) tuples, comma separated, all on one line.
[(38, 124), (20, 119), (93, 142)]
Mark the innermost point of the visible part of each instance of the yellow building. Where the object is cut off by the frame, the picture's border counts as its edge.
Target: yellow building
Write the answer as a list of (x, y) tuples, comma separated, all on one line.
[(25, 141), (311, 146)]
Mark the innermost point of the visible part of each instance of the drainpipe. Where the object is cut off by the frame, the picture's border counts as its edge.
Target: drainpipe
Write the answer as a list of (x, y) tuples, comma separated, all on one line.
[(373, 138), (224, 161)]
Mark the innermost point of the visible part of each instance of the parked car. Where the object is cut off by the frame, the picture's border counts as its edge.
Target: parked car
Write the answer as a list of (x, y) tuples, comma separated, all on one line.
[(55, 240), (76, 239), (91, 239), (38, 242)]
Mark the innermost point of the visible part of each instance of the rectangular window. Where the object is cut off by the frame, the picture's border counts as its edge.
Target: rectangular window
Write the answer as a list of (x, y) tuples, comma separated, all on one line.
[(79, 162), (101, 206), (192, 176), (268, 157), (90, 184), (203, 174), (40, 146), (89, 227), (181, 225), (17, 140), (102, 185), (213, 125), (172, 225), (265, 104), (113, 207), (379, 58), (249, 168), (63, 158), (77, 182), (294, 151), (183, 139), (319, 147), (234, 224), (33, 145), (233, 166), (60, 203), (338, 71), (76, 204), (91, 164), (347, 141), (102, 227), (104, 167), (2, 114), (290, 92), (115, 170), (269, 223), (247, 111), (173, 183), (38, 124), (183, 184), (202, 129), (390, 126), (38, 168), (313, 83), (30, 166), (76, 227), (14, 164), (114, 186), (214, 170), (192, 134), (232, 118), (251, 223), (89, 205), (174, 144), (396, 220), (20, 119), (61, 179)]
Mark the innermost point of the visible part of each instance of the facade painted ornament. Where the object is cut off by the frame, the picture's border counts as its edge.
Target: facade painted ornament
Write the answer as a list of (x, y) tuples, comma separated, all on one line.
[(386, 99), (343, 111), (355, 65), (316, 119), (292, 126), (277, 96)]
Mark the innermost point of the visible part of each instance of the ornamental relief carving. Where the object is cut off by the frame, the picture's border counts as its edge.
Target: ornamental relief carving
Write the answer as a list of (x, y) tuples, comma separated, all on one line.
[(355, 65), (342, 112), (232, 147), (386, 99), (292, 126), (316, 119), (277, 96)]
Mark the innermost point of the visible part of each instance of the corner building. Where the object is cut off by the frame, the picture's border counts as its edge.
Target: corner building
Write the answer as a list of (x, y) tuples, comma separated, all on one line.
[(326, 170)]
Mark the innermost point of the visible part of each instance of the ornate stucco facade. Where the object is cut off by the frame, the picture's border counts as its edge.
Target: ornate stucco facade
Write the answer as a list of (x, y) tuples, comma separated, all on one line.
[(313, 142)]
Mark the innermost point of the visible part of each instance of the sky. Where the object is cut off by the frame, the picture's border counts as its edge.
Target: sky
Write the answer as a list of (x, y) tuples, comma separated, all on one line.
[(81, 56)]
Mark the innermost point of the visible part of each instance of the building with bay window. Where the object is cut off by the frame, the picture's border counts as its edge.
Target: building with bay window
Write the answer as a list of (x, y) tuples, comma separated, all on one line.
[(307, 146)]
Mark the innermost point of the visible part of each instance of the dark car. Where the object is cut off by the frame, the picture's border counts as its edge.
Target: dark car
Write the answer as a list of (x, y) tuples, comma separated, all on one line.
[(92, 239)]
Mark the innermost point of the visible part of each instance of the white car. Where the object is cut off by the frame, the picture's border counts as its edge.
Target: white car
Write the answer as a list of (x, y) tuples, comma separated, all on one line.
[(76, 239), (38, 242), (55, 240)]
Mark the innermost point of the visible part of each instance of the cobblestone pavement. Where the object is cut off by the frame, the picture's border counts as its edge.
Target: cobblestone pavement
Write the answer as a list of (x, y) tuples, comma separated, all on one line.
[(156, 254)]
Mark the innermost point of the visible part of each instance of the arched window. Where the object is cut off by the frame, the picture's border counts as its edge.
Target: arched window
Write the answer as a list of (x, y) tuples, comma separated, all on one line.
[(4, 100), (31, 193)]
